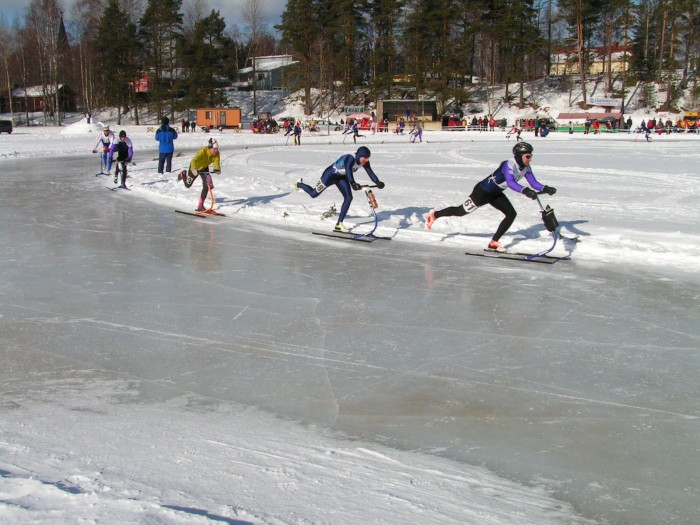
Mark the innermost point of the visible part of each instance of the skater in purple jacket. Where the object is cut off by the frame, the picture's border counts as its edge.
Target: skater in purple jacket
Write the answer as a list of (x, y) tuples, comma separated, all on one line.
[(491, 191)]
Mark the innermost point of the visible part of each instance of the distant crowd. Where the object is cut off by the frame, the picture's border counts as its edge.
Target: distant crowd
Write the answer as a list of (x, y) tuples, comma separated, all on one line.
[(188, 126), (293, 127)]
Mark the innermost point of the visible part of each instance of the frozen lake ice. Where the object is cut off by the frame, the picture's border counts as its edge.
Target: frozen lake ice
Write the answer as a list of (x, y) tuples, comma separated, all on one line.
[(580, 377)]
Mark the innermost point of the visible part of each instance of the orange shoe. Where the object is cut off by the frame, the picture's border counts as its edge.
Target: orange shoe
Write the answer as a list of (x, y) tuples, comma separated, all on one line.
[(430, 220), (496, 246)]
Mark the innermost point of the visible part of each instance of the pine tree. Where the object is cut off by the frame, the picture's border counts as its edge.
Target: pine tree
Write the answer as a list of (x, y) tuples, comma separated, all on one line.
[(383, 56), (204, 58), (427, 45), (581, 17), (161, 29), (299, 31), (117, 50)]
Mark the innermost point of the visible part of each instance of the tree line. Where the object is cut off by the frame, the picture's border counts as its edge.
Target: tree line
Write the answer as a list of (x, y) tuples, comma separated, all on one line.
[(353, 50), (107, 51), (438, 47)]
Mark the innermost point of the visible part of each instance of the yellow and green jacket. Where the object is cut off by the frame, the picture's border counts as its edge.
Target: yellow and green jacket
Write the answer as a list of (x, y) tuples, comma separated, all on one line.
[(202, 159)]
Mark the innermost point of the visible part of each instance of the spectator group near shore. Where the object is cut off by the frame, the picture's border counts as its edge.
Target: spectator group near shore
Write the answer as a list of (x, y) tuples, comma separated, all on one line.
[(187, 126)]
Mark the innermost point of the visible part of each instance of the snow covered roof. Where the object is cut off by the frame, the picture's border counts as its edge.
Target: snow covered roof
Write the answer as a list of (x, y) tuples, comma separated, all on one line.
[(534, 115), (34, 91), (270, 63)]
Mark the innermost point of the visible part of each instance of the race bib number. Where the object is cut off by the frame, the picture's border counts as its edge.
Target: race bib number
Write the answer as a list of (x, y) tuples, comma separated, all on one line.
[(188, 178), (320, 187), (469, 205)]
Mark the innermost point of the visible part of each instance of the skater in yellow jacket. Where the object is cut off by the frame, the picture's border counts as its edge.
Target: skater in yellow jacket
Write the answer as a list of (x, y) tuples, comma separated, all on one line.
[(199, 167)]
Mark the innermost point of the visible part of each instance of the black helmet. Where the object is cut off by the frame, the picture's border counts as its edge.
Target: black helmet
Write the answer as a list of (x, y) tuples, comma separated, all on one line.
[(122, 133), (362, 151), (522, 148)]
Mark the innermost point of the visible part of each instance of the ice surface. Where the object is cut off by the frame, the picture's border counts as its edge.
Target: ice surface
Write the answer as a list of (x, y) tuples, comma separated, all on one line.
[(580, 378)]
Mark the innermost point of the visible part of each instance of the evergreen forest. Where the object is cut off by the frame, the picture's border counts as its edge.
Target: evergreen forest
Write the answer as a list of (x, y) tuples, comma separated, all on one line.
[(354, 51)]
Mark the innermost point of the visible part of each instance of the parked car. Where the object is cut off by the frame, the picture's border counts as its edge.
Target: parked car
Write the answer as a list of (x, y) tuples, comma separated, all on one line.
[(548, 122), (5, 126), (321, 125)]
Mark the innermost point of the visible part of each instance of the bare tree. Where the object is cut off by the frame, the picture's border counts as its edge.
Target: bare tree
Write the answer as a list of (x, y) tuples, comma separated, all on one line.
[(193, 12), (6, 45), (252, 16), (86, 16), (43, 18)]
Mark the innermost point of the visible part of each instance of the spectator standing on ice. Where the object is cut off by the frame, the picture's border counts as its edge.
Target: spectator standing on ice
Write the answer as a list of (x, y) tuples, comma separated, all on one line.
[(166, 138), (491, 191), (103, 142), (340, 174)]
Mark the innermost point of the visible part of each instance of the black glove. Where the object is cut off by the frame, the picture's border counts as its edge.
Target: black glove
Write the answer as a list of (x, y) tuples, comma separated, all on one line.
[(549, 190), (217, 171), (380, 185), (355, 186), (529, 192)]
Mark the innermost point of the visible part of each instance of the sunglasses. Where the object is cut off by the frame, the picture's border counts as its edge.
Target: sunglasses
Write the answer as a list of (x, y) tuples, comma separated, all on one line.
[(528, 157)]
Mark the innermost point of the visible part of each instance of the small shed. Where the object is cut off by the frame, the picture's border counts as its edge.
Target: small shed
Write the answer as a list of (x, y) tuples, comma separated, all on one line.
[(219, 117)]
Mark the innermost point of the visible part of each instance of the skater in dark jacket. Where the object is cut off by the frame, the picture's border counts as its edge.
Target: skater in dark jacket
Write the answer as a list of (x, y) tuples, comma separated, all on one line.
[(491, 191), (121, 152), (355, 132), (340, 174)]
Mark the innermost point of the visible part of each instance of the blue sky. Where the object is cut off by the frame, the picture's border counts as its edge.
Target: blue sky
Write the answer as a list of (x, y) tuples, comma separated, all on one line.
[(229, 9)]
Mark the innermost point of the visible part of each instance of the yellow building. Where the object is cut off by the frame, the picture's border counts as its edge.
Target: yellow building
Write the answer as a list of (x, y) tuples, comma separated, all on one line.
[(566, 61)]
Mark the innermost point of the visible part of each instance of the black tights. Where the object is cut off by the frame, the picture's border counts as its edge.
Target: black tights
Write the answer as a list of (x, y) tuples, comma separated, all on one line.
[(120, 168), (479, 198)]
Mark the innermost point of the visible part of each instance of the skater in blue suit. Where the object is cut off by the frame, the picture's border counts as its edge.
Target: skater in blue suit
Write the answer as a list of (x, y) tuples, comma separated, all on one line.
[(340, 174)]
